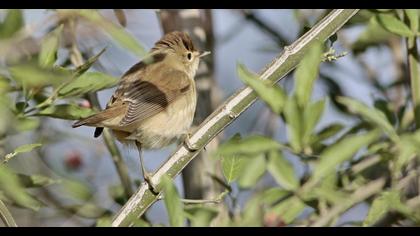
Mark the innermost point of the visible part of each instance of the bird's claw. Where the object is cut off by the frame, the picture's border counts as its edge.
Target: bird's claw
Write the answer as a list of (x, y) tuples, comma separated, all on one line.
[(148, 179), (188, 145)]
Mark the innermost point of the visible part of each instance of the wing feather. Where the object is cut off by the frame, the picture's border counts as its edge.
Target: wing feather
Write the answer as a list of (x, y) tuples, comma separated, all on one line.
[(147, 98)]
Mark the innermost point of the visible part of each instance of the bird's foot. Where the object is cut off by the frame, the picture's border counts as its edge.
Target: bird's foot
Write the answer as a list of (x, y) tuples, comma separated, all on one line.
[(148, 179), (188, 145)]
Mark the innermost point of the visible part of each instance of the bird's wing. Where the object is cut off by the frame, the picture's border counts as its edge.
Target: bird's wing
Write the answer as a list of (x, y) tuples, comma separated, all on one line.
[(146, 98)]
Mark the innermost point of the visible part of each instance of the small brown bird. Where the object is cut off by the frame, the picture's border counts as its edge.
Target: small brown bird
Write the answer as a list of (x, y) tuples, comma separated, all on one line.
[(155, 101)]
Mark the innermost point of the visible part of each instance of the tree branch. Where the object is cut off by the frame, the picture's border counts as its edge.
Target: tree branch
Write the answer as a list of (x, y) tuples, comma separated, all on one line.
[(228, 112), (6, 216)]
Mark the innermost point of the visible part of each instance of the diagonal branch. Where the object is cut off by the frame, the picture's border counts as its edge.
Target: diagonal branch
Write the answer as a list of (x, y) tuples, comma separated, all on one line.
[(228, 112), (6, 216)]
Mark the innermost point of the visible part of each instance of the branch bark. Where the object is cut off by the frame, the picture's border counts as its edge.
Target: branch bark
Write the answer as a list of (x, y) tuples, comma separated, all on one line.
[(228, 112)]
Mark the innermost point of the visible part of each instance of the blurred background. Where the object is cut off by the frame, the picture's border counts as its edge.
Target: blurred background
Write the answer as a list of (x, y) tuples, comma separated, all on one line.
[(90, 185)]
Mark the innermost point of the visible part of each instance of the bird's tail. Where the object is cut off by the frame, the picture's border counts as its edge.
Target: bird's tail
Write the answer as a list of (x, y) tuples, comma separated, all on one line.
[(93, 120), (99, 119)]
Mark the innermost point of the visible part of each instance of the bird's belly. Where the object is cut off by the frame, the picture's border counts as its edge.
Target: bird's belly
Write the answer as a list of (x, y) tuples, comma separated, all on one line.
[(167, 126)]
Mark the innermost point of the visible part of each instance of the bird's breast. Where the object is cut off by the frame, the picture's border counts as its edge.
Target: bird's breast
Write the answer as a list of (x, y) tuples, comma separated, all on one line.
[(165, 127)]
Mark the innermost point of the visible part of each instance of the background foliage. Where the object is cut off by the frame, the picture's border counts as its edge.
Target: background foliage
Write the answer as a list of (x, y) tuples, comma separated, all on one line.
[(316, 174)]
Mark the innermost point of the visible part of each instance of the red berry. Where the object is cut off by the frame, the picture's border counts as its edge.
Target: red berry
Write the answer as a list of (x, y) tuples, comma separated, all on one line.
[(85, 103), (271, 219), (73, 160)]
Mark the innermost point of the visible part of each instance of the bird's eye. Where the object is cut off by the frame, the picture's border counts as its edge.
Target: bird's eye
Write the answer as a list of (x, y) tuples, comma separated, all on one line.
[(189, 55)]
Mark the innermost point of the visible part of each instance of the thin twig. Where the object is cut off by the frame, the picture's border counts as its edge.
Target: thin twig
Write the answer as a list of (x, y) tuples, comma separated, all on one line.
[(276, 36), (366, 163), (413, 61), (196, 201), (6, 216), (122, 170), (228, 112), (216, 200), (392, 216), (359, 195)]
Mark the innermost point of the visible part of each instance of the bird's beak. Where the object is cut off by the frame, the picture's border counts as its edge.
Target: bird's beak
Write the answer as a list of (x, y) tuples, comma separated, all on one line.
[(202, 54)]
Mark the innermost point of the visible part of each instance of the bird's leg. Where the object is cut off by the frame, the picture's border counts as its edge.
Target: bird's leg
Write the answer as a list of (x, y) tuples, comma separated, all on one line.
[(187, 144), (146, 175)]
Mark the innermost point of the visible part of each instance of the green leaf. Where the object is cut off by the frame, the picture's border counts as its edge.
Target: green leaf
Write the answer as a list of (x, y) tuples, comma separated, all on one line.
[(201, 216), (361, 17), (282, 171), (381, 205), (273, 95), (141, 223), (326, 133), (87, 83), (342, 151), (173, 203), (49, 48), (21, 149), (104, 221), (294, 121), (77, 190), (26, 123), (31, 181), (373, 35), (11, 24), (253, 213), (273, 195), (83, 68), (408, 147), (413, 17), (13, 189), (289, 209), (4, 84), (27, 147), (333, 196), (32, 75), (20, 107), (306, 73), (232, 166), (66, 111), (250, 145), (87, 210), (328, 191), (311, 115), (4, 198), (253, 169), (117, 33), (372, 115), (386, 108), (117, 193), (394, 25), (377, 148)]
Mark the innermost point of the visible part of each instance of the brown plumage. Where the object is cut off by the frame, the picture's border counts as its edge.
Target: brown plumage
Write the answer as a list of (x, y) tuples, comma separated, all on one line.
[(154, 103)]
